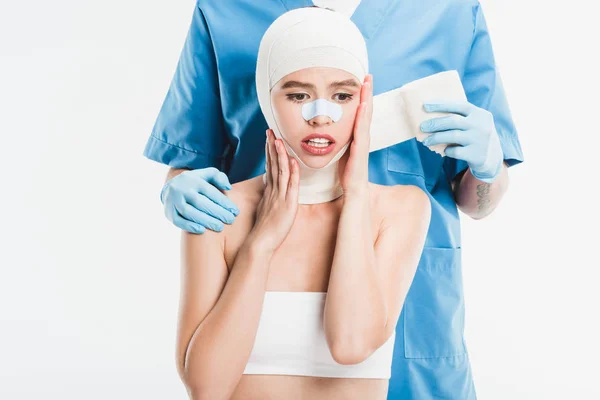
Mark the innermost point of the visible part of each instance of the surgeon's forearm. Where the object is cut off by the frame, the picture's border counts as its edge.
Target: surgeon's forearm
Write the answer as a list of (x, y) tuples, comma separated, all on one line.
[(173, 172), (355, 311), (478, 199)]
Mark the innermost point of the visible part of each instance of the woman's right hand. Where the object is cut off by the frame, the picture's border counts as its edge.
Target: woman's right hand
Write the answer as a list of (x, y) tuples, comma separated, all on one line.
[(277, 209)]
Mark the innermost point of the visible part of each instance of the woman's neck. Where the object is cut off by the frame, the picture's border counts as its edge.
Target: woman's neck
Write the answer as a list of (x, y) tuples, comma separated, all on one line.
[(320, 209)]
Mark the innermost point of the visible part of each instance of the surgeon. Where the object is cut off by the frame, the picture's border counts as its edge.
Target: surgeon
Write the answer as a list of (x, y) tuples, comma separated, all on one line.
[(210, 132)]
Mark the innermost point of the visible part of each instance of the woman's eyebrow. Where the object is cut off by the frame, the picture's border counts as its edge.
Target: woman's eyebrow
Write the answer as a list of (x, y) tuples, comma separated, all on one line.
[(347, 82), (304, 85)]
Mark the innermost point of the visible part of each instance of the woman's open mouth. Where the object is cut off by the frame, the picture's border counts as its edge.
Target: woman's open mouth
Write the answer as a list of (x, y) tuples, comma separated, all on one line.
[(318, 144)]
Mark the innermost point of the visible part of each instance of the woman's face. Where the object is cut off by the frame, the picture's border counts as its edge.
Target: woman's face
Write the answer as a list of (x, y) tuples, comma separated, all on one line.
[(305, 86)]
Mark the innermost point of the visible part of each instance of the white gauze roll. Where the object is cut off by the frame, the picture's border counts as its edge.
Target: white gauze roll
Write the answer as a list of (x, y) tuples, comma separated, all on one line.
[(305, 38)]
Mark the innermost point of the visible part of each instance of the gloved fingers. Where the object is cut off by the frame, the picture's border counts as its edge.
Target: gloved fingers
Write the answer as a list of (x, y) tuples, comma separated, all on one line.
[(162, 192), (454, 136), (192, 214), (206, 205), (216, 197), (459, 153), (444, 124), (457, 107), (186, 225), (215, 177)]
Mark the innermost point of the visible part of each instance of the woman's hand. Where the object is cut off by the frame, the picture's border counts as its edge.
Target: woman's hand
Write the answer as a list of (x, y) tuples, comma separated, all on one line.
[(277, 209), (354, 169)]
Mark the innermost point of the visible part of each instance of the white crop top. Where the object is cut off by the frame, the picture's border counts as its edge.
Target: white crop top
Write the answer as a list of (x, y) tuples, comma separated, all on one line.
[(291, 341)]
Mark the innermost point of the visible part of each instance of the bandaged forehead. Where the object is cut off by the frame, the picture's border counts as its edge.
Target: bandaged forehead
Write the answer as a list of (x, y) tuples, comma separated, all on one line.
[(322, 107), (306, 38)]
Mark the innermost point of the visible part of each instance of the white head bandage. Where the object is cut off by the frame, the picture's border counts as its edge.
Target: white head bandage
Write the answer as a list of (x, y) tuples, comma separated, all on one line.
[(305, 38)]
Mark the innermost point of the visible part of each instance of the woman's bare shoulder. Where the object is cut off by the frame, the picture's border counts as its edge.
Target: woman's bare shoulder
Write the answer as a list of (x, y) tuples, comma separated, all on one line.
[(246, 195), (399, 198), (400, 208)]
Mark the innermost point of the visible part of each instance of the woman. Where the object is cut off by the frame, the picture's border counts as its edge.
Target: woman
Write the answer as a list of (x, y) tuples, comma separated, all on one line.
[(300, 297)]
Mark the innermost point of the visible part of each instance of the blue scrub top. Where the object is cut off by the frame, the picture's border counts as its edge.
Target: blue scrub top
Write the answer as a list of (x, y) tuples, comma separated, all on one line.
[(211, 117)]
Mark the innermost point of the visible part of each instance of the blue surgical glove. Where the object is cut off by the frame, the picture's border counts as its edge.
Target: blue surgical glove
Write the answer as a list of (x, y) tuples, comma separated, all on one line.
[(473, 129), (193, 202)]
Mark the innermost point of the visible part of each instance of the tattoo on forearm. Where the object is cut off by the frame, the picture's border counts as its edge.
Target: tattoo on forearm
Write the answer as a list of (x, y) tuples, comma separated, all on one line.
[(483, 192)]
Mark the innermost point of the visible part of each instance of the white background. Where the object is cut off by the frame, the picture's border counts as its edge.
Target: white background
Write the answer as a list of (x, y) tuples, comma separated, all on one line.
[(89, 266)]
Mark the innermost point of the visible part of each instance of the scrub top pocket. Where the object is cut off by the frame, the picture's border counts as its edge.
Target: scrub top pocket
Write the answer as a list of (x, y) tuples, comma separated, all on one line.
[(416, 161), (434, 313)]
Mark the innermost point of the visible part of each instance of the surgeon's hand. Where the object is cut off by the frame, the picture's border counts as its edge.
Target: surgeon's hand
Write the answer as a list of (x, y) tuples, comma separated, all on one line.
[(192, 200), (473, 130)]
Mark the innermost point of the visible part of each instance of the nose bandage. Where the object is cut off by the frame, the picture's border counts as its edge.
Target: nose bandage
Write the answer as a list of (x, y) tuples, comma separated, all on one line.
[(322, 107)]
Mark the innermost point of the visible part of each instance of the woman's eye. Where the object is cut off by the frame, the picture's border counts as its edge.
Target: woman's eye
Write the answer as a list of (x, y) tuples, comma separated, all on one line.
[(297, 97), (344, 97)]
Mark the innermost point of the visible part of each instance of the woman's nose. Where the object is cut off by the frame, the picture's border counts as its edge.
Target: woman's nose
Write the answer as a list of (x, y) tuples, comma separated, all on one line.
[(320, 120)]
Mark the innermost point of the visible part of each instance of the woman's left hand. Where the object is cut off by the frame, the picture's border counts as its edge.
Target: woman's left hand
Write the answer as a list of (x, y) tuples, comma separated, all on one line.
[(354, 169)]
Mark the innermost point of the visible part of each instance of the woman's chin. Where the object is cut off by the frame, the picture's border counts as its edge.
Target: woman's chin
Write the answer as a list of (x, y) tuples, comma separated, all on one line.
[(316, 161)]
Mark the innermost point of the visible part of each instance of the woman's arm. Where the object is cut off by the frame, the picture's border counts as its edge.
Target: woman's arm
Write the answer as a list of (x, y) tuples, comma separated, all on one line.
[(368, 283), (219, 314)]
